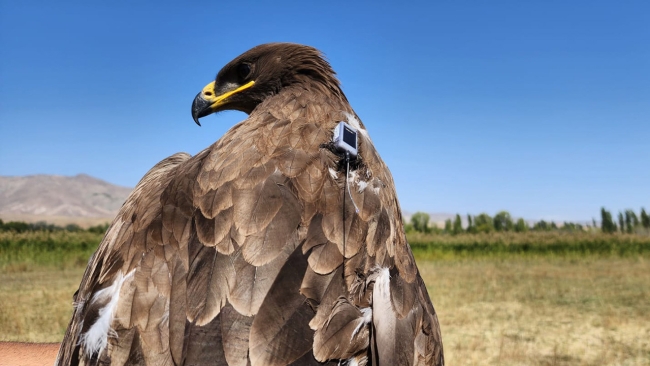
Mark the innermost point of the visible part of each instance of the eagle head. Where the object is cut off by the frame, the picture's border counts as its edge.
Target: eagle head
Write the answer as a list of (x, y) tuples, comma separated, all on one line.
[(263, 72)]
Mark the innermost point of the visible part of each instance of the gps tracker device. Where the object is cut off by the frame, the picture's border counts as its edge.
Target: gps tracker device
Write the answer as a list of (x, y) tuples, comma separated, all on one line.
[(345, 139)]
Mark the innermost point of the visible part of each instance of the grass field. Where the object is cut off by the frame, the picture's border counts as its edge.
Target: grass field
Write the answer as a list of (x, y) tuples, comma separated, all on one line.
[(36, 305), (502, 307), (33, 251), (506, 244), (543, 311)]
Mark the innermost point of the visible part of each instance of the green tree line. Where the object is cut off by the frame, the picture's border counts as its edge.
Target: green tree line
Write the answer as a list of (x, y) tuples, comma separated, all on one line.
[(628, 221), (502, 221)]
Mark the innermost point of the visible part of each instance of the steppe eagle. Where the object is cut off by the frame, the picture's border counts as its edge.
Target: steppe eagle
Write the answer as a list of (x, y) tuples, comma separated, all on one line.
[(252, 252)]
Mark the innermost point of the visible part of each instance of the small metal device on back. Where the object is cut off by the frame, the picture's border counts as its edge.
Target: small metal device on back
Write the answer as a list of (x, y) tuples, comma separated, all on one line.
[(345, 139)]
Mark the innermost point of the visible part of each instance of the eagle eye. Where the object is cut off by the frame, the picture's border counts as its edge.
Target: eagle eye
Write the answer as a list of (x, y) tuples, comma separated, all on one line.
[(243, 71)]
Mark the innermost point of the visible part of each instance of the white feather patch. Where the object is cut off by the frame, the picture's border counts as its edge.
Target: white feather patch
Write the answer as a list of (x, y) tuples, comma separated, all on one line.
[(382, 286), (383, 319), (164, 321), (333, 173), (96, 338), (354, 361), (362, 186), (367, 318)]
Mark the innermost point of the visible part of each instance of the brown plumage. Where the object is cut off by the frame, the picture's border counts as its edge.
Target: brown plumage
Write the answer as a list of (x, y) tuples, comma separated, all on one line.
[(235, 256)]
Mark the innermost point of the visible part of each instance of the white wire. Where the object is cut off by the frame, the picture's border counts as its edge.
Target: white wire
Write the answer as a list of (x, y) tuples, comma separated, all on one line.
[(347, 179)]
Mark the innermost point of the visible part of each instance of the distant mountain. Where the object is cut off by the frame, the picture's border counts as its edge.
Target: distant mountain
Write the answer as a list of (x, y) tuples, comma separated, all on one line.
[(54, 195)]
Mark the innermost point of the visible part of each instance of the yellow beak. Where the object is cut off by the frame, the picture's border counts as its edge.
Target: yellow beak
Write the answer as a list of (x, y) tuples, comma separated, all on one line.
[(206, 102)]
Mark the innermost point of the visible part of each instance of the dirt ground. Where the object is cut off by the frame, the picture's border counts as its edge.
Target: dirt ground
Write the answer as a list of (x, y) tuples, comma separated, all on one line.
[(27, 354)]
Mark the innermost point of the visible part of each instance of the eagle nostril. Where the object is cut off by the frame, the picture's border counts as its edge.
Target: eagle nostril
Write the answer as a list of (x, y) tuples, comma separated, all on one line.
[(207, 93)]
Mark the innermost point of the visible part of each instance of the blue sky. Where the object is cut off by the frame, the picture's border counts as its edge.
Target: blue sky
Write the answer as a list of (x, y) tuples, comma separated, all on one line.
[(541, 108)]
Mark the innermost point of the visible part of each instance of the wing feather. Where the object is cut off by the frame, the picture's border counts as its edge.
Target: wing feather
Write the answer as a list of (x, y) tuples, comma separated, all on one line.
[(280, 333), (255, 208), (345, 333), (115, 255), (215, 200), (252, 283), (264, 245), (394, 337), (235, 330), (204, 344), (177, 310), (207, 284), (325, 258)]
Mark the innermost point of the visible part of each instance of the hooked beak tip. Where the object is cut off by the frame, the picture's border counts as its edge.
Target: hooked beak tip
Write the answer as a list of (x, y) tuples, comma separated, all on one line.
[(200, 108)]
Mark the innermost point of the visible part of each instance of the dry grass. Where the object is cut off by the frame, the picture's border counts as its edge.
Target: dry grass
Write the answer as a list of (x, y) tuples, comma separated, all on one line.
[(518, 310), (36, 306), (543, 311)]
